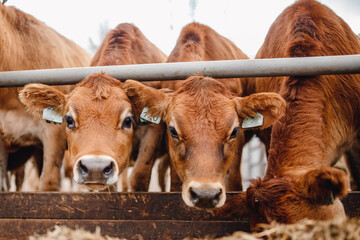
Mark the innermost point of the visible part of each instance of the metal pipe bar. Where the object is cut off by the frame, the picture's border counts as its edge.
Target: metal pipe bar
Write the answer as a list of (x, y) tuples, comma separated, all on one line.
[(349, 64)]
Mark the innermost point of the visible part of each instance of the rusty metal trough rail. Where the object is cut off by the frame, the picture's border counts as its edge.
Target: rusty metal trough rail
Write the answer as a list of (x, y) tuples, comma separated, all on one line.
[(123, 215), (344, 64)]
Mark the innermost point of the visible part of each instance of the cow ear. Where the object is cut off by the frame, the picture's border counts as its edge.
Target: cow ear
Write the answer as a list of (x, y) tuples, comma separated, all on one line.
[(260, 110), (324, 185), (142, 97), (36, 97)]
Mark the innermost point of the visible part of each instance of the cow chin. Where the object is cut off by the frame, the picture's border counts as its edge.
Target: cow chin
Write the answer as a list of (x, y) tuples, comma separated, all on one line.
[(204, 195), (96, 187)]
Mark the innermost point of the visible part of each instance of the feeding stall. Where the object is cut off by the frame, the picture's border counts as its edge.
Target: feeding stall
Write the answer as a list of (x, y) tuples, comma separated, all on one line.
[(146, 215)]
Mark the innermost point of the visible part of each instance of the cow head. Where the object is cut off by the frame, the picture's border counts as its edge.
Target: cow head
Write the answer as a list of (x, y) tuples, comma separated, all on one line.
[(99, 126), (313, 194), (204, 130)]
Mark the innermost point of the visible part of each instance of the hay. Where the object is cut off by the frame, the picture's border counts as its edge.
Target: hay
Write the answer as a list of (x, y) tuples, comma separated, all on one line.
[(342, 229), (65, 233)]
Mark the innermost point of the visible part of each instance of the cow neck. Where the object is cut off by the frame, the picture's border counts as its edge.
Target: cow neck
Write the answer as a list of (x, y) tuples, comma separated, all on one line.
[(297, 139), (8, 96)]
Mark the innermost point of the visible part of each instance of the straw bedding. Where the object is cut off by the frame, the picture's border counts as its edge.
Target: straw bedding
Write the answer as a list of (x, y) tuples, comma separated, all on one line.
[(341, 229)]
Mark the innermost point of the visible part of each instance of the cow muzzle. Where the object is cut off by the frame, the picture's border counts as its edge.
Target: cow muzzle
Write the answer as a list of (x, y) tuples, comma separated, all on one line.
[(96, 172), (204, 195)]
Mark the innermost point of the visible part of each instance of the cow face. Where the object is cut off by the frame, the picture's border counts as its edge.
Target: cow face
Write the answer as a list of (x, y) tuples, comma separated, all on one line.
[(99, 126), (204, 130)]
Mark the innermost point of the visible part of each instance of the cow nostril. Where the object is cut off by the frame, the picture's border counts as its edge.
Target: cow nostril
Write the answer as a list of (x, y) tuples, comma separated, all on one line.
[(217, 197), (83, 169), (194, 195), (109, 169)]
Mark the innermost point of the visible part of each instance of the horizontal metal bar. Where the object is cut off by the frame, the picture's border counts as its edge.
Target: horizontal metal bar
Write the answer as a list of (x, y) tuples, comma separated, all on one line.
[(349, 64)]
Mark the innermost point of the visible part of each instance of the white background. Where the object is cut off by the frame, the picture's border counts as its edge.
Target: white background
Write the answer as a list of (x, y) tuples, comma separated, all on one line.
[(245, 22)]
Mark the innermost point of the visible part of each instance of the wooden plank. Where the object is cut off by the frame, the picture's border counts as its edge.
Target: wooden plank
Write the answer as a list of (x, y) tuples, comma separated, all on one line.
[(126, 206), (147, 229), (352, 204), (125, 215)]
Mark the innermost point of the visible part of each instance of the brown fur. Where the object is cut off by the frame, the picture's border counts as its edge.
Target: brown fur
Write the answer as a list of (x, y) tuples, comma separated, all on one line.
[(321, 118), (96, 105), (98, 101), (204, 113), (122, 46), (26, 44), (198, 42), (127, 45)]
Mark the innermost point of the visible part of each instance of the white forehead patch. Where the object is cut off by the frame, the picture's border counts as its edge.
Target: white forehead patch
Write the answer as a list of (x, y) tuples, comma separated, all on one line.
[(50, 115), (145, 117), (250, 122)]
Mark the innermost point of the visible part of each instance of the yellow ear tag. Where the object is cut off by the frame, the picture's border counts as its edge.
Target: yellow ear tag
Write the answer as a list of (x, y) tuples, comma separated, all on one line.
[(251, 122)]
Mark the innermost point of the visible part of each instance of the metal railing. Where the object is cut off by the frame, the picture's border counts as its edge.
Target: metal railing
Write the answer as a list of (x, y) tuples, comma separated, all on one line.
[(344, 64)]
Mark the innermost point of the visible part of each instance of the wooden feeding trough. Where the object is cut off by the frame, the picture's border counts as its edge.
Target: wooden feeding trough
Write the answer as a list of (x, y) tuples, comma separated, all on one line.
[(123, 215)]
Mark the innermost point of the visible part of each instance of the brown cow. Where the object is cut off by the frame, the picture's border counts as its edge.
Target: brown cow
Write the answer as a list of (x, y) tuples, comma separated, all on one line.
[(99, 126), (204, 122), (93, 108), (198, 42), (320, 123), (127, 45), (27, 43)]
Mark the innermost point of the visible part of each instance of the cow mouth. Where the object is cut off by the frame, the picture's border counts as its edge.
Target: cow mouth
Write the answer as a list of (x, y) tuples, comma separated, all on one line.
[(96, 186)]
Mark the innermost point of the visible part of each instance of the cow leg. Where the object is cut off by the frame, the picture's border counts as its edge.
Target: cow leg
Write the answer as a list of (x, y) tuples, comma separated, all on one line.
[(52, 160), (16, 164), (234, 178), (19, 177), (353, 163), (233, 182), (265, 137), (176, 183), (140, 176), (19, 158), (164, 164), (124, 180), (3, 167)]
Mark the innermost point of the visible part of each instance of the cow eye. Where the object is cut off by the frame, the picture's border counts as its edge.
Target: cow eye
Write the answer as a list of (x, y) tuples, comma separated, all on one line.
[(173, 133), (127, 122), (234, 133), (70, 123)]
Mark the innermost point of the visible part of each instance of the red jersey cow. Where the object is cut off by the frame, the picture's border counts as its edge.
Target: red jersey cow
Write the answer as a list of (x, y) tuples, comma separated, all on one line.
[(99, 126), (102, 156), (27, 43), (127, 45), (198, 42), (204, 122), (320, 123)]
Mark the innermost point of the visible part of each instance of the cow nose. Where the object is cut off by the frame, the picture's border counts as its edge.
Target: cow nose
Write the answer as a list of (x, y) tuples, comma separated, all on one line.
[(205, 198), (96, 170)]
